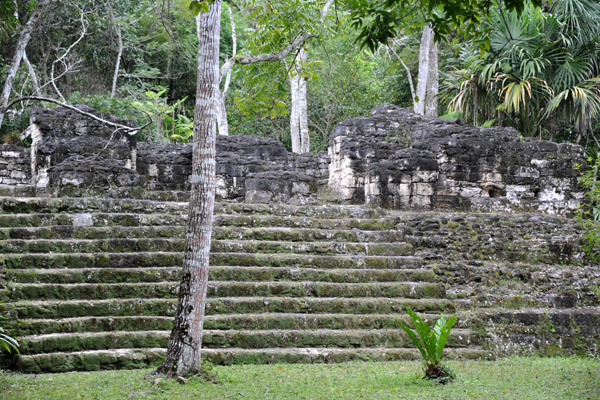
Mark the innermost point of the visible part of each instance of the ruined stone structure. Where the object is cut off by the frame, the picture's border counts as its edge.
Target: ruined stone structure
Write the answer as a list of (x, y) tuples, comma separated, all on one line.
[(397, 159), (314, 256), (393, 159)]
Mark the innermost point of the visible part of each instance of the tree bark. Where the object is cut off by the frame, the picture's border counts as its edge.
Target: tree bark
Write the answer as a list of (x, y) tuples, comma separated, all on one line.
[(222, 122), (113, 89), (24, 37), (431, 103), (424, 51), (303, 106), (295, 110), (185, 343)]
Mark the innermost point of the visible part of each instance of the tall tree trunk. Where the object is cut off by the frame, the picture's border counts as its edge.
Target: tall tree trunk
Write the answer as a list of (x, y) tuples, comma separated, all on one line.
[(424, 52), (185, 343), (24, 37), (222, 122), (113, 89), (433, 78), (303, 106), (295, 110), (299, 109)]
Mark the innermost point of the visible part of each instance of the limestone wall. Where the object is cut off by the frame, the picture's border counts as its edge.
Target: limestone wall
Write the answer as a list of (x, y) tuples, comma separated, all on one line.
[(397, 159), (15, 167), (66, 145), (254, 168)]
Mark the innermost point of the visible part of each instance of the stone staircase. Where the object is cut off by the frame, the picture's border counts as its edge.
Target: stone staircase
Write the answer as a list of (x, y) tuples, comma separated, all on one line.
[(92, 283)]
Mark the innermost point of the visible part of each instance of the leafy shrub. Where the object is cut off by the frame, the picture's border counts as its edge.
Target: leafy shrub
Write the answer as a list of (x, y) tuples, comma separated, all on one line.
[(431, 343)]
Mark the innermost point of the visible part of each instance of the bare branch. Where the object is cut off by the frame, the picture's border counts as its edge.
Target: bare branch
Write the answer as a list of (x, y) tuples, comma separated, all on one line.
[(32, 74), (265, 57), (61, 59), (410, 80), (127, 129)]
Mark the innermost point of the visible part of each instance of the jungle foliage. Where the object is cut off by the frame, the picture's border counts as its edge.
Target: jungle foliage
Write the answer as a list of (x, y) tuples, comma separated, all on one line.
[(509, 63)]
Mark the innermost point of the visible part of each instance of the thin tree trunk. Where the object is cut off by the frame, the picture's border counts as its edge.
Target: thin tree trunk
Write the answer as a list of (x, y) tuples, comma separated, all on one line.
[(234, 49), (24, 37), (295, 111), (421, 92), (32, 74), (303, 107), (222, 122), (113, 90), (299, 106), (185, 343), (431, 100)]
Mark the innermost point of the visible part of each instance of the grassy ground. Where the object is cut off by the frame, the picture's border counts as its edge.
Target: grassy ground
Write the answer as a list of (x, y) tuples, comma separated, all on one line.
[(513, 378)]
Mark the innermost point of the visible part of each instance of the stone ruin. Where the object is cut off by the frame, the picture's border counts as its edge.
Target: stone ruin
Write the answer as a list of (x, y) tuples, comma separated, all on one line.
[(392, 158), (314, 256)]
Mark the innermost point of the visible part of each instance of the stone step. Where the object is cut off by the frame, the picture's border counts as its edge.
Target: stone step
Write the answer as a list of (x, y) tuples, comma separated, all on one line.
[(63, 232), (20, 205), (101, 219), (139, 358), (24, 327), (564, 300), (21, 190), (169, 259), (29, 309), (165, 195), (581, 322), (98, 219), (99, 291), (125, 245), (246, 339), (219, 273)]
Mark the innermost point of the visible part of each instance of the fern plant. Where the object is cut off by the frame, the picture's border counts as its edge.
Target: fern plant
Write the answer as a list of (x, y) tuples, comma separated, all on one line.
[(431, 343)]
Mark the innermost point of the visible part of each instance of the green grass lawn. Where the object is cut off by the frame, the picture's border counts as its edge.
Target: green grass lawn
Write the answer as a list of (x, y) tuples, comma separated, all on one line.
[(513, 378)]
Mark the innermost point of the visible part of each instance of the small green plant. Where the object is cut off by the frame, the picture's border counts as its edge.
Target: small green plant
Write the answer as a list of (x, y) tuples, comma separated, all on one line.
[(431, 343), (184, 128), (8, 342), (589, 213), (166, 124)]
